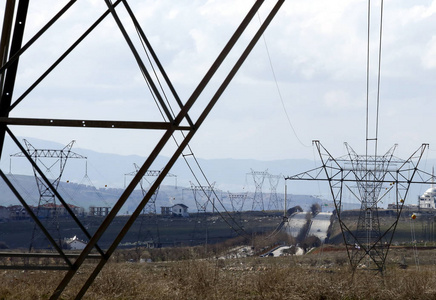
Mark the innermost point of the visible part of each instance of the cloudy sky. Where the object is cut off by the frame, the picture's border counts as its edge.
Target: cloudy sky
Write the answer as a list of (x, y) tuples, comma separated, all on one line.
[(304, 81)]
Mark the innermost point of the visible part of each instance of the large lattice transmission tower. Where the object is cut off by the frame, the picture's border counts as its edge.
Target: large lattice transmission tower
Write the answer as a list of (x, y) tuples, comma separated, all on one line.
[(180, 118), (259, 179), (237, 201), (202, 196), (274, 200), (150, 208), (149, 217), (48, 208), (370, 179)]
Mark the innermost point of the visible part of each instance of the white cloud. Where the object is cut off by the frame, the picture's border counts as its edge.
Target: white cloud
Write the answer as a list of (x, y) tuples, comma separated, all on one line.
[(317, 49), (338, 99)]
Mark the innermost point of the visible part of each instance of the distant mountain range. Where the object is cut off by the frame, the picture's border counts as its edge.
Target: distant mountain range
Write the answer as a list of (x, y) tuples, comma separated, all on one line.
[(86, 195), (101, 177), (108, 170)]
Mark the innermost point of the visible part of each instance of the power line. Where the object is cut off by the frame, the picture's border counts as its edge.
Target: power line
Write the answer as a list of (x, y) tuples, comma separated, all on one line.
[(240, 230), (279, 92), (375, 138)]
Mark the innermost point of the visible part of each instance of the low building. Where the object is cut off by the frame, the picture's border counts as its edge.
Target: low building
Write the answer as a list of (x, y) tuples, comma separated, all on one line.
[(50, 210), (18, 212), (4, 213), (180, 210), (75, 243), (177, 210), (428, 199), (100, 211), (165, 210)]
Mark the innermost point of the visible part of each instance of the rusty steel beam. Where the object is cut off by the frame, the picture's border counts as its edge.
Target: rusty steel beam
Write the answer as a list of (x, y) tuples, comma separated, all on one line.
[(63, 56), (43, 255), (6, 37), (155, 58), (139, 61), (35, 219), (9, 79), (14, 57), (90, 123)]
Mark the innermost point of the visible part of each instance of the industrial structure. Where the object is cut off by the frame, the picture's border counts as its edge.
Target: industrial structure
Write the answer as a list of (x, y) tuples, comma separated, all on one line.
[(428, 199), (47, 209), (177, 124), (202, 197), (149, 223), (274, 200), (237, 201), (258, 178), (369, 177)]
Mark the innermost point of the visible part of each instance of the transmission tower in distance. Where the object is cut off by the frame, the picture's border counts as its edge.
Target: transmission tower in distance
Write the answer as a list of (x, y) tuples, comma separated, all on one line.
[(258, 178), (149, 216), (202, 197), (237, 201), (370, 179), (274, 201), (47, 208)]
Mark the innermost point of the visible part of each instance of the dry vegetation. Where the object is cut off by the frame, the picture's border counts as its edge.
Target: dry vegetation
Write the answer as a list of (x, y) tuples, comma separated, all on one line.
[(318, 275)]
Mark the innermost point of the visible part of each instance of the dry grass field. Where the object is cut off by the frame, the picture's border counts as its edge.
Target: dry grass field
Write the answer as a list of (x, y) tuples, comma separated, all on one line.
[(317, 275)]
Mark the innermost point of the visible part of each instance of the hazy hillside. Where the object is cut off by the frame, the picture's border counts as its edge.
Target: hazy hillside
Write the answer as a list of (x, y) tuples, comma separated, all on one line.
[(108, 170), (102, 176), (86, 195)]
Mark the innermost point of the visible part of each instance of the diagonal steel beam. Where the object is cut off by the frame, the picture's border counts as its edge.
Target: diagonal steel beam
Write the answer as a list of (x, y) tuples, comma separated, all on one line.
[(155, 58), (35, 219), (139, 60), (9, 81), (17, 54), (62, 57)]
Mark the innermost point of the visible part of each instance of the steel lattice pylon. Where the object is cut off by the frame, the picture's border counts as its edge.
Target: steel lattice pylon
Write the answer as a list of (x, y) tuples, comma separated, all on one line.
[(150, 208), (148, 217), (237, 201), (370, 178), (258, 178), (177, 123), (47, 198), (202, 197), (274, 201)]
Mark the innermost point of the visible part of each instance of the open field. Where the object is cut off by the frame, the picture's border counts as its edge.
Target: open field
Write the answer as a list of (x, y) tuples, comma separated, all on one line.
[(423, 226), (173, 231), (211, 229), (322, 274), (200, 272)]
